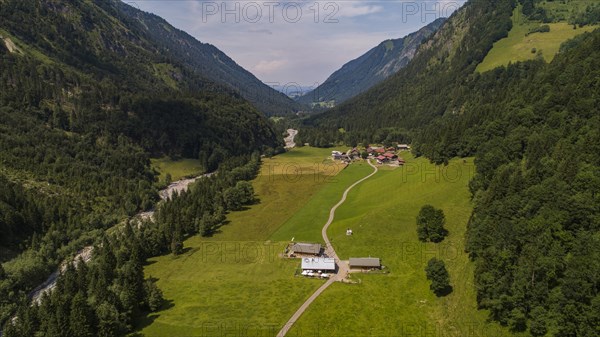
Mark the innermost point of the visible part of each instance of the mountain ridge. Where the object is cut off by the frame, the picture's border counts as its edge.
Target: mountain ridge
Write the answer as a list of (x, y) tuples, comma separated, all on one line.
[(424, 88), (377, 64), (211, 62)]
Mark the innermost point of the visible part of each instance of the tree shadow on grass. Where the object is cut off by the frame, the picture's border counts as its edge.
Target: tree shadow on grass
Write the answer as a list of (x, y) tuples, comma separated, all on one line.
[(168, 304), (217, 229), (147, 318), (187, 250), (444, 292), (246, 206)]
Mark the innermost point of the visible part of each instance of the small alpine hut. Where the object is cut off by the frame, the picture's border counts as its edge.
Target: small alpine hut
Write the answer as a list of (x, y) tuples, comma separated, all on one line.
[(364, 263), (302, 248), (318, 263)]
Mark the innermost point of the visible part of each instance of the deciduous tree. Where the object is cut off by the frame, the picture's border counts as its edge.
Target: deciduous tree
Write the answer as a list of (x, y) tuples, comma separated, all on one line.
[(439, 277), (430, 224)]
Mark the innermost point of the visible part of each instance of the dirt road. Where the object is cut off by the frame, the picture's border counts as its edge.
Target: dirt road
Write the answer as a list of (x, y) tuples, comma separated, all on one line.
[(330, 251)]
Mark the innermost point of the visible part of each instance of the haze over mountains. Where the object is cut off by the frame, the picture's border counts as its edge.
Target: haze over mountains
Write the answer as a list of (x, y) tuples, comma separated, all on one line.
[(371, 68)]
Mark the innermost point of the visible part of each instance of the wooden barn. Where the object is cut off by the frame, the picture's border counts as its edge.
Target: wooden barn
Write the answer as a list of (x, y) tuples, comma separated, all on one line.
[(364, 263), (302, 248)]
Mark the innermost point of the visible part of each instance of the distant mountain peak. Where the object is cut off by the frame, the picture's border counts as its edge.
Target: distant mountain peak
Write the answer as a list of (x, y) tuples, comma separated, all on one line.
[(371, 68)]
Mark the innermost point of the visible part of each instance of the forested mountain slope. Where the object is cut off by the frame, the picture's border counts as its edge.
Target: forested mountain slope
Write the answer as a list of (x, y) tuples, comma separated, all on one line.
[(86, 97), (533, 128), (434, 82), (210, 62), (371, 68), (428, 86), (534, 233)]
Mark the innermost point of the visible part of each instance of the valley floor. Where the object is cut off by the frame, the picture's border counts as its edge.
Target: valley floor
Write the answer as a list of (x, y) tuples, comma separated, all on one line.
[(236, 282)]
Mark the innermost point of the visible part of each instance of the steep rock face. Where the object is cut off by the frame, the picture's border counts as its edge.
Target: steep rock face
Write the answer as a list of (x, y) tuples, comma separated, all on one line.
[(371, 68)]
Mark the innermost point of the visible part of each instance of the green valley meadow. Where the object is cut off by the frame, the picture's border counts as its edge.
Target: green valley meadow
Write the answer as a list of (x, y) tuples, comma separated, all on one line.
[(241, 270)]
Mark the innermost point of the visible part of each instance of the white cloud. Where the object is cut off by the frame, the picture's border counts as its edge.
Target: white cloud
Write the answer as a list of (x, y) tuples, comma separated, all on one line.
[(305, 51), (268, 67), (352, 9)]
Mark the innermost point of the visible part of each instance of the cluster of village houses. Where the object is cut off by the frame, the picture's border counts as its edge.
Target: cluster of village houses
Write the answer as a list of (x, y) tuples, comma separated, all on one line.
[(381, 154), (316, 264)]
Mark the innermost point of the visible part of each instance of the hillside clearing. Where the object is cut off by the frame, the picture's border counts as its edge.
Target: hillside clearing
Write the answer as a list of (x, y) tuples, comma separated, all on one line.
[(178, 169), (518, 47)]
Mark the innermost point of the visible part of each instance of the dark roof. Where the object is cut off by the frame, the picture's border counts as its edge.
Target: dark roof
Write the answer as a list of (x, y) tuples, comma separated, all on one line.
[(364, 262), (307, 248)]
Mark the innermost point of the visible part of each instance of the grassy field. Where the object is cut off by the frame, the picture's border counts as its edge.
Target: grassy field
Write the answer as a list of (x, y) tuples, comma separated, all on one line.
[(306, 223), (222, 287), (235, 282), (518, 47), (177, 168), (286, 183), (382, 214)]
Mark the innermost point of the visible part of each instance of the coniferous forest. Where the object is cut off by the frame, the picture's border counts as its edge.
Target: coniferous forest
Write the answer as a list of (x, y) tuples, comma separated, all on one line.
[(86, 99), (533, 129)]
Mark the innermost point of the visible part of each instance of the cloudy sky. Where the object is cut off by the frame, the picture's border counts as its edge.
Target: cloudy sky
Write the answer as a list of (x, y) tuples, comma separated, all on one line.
[(301, 42)]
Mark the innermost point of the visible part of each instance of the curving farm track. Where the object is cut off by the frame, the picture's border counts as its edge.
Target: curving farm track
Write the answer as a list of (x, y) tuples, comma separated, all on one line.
[(330, 251)]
